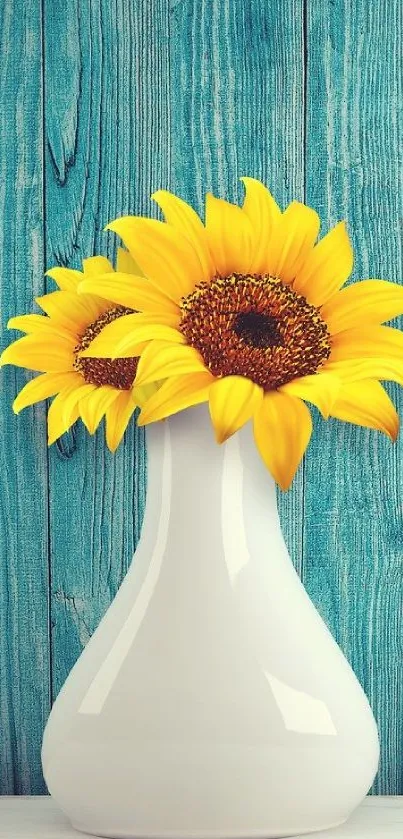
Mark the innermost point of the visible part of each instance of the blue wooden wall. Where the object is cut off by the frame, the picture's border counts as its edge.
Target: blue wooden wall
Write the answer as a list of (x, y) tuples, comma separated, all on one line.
[(104, 101)]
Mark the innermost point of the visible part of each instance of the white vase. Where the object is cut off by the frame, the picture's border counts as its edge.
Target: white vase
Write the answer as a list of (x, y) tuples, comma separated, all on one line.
[(212, 700)]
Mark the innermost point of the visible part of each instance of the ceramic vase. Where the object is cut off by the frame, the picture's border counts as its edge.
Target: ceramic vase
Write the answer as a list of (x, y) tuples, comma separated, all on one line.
[(212, 701)]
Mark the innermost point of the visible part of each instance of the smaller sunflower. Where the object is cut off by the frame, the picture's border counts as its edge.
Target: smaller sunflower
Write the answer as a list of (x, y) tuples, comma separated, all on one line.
[(248, 313), (86, 388)]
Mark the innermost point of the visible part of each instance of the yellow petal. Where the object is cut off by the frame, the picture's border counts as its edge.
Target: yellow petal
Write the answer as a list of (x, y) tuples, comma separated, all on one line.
[(42, 387), (72, 394), (57, 427), (321, 389), (165, 255), (263, 213), (182, 217), (353, 370), (126, 336), (366, 403), (233, 401), (144, 392), (66, 278), (367, 342), (96, 265), (369, 301), (161, 360), (95, 405), (27, 323), (125, 263), (327, 267), (176, 395), (70, 311), (64, 409), (229, 233), (39, 325), (38, 353), (282, 428), (291, 241), (127, 290), (118, 417)]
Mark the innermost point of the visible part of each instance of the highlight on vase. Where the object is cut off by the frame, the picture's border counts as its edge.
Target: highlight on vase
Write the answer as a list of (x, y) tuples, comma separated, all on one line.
[(85, 388), (247, 312)]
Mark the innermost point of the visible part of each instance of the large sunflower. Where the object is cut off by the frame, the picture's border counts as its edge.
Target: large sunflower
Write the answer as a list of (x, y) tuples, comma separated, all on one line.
[(246, 312), (89, 388)]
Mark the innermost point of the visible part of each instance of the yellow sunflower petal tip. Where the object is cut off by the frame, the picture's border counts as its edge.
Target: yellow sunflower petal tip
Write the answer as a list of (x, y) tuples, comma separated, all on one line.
[(394, 430), (5, 356), (246, 179), (113, 225), (52, 437), (159, 193)]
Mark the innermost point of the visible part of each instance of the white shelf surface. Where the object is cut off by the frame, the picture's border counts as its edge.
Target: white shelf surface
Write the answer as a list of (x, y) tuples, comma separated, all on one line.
[(37, 817)]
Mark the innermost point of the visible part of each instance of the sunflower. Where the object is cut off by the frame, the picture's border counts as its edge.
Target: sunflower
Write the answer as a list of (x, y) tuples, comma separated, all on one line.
[(248, 313), (89, 388)]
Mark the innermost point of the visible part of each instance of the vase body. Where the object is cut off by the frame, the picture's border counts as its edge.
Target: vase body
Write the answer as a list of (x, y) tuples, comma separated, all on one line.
[(212, 700)]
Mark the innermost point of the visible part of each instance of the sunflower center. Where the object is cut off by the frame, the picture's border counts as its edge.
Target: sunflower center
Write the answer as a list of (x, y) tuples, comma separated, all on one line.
[(257, 329), (116, 372), (255, 326)]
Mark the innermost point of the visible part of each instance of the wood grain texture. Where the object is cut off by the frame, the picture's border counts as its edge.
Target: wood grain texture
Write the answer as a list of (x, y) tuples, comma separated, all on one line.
[(103, 102), (24, 583)]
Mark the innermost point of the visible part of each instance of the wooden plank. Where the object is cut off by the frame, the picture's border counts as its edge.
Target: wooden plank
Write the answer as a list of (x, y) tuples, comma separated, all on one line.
[(237, 79), (353, 513), (24, 625), (107, 149)]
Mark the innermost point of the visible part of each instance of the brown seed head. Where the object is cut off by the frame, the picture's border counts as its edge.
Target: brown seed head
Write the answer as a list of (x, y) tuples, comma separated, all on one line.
[(257, 327), (116, 372)]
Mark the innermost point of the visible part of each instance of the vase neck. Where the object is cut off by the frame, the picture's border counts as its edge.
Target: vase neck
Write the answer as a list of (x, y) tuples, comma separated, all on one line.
[(222, 495), (198, 463)]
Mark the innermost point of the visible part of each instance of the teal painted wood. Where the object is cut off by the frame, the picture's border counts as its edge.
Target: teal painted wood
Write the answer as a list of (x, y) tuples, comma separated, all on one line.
[(190, 94), (353, 521), (24, 584)]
